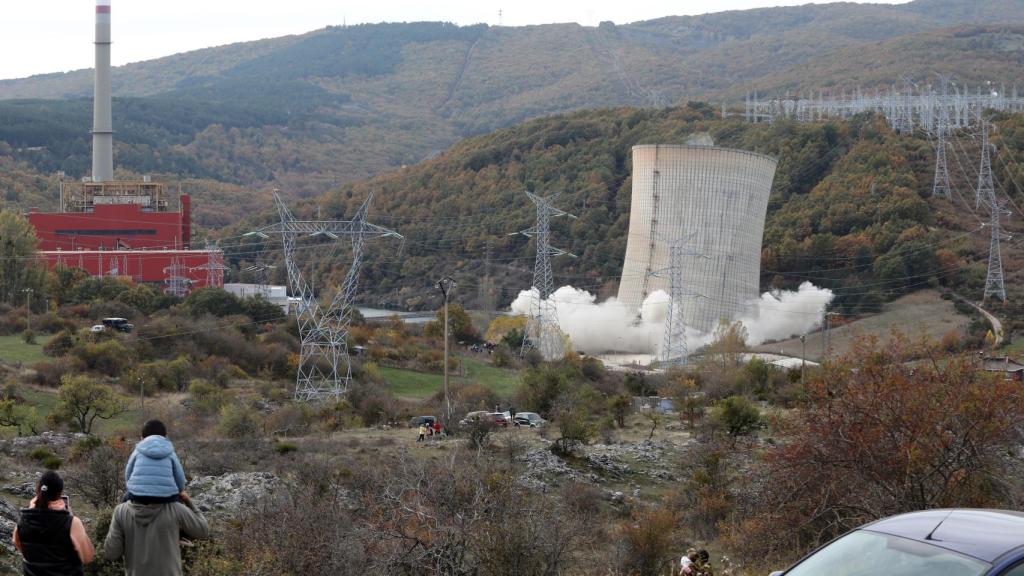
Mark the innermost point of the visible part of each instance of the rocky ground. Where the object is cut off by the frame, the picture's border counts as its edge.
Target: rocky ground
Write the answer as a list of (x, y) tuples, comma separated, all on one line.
[(629, 467)]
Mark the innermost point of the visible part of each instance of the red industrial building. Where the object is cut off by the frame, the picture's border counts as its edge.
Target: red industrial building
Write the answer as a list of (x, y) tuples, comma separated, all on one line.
[(126, 229)]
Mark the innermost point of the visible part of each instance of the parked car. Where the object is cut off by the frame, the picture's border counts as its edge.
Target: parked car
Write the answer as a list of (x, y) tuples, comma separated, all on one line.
[(97, 328), (501, 418), (531, 419), (417, 421), (475, 417), (958, 542), (119, 324)]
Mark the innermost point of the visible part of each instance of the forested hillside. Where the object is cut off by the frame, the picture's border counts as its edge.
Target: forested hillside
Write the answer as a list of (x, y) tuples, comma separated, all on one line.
[(850, 208), (308, 113)]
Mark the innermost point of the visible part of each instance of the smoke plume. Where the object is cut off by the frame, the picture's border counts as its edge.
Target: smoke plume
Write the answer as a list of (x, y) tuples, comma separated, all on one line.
[(597, 327)]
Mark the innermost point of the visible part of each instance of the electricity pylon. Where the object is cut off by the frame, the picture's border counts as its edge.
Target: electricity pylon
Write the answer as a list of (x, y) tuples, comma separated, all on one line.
[(986, 194), (940, 184), (325, 369), (175, 279), (542, 330), (674, 351), (214, 266)]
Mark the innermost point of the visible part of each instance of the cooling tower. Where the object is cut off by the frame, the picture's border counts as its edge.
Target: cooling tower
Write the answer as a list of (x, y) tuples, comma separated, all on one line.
[(716, 196)]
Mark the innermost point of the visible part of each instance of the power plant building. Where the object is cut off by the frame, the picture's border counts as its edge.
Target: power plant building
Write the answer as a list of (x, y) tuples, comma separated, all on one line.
[(717, 199), (128, 229)]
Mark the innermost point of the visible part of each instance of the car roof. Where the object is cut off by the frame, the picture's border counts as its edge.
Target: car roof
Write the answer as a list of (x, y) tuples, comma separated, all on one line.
[(983, 534)]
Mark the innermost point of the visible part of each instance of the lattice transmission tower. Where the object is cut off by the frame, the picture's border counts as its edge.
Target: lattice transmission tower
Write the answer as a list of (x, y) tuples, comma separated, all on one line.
[(325, 369), (214, 266), (940, 185), (674, 350), (177, 283), (542, 329), (986, 194)]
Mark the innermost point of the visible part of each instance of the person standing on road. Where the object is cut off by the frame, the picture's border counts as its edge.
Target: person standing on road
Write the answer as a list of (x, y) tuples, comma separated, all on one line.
[(147, 535), (423, 433), (437, 428), (51, 539)]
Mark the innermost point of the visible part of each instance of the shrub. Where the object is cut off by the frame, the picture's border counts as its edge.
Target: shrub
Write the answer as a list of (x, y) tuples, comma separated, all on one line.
[(40, 453), (283, 448), (28, 336), (52, 462), (60, 344), (207, 398), (478, 432), (100, 473), (239, 422), (575, 431), (83, 447), (738, 415), (647, 542), (108, 357)]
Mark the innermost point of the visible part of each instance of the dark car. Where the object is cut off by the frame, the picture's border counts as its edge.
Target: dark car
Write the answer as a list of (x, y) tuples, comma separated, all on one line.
[(416, 421), (119, 324), (958, 542), (530, 419)]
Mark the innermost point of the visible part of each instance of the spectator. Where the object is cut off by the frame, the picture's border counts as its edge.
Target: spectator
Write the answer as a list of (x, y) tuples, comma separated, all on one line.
[(146, 535), (52, 540), (154, 474), (423, 433)]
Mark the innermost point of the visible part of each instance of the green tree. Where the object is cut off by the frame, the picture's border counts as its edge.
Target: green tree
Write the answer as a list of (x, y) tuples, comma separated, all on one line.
[(262, 310), (18, 269), (24, 418), (738, 415), (460, 325), (81, 400), (213, 301)]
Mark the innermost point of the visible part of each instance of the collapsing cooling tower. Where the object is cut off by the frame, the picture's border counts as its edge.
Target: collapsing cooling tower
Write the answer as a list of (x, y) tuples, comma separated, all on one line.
[(717, 195)]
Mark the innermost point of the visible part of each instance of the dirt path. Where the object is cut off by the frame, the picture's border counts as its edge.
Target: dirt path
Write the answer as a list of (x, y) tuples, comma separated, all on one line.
[(997, 325)]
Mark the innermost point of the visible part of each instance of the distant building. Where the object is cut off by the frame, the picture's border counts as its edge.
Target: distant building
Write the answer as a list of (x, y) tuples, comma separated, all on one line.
[(274, 294), (1008, 367)]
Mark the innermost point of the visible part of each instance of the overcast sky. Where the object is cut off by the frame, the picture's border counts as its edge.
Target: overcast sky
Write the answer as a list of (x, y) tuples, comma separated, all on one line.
[(55, 35)]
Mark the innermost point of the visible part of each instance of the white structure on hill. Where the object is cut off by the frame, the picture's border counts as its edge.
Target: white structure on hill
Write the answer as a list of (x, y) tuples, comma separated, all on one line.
[(273, 294)]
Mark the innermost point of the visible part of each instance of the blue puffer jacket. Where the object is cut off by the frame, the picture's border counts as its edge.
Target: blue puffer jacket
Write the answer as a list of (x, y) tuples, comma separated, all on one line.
[(154, 469)]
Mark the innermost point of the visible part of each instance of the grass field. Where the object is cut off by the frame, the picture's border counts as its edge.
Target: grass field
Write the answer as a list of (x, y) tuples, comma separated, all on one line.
[(14, 350), (410, 385), (45, 402)]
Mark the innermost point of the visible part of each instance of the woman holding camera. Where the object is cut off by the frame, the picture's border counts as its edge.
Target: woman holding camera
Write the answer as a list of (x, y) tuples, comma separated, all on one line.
[(51, 538)]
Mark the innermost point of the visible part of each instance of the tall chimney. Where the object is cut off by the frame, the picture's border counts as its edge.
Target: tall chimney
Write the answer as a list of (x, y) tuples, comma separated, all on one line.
[(102, 123)]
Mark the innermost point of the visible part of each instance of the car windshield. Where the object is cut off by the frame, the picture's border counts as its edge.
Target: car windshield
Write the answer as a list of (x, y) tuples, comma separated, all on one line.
[(865, 553)]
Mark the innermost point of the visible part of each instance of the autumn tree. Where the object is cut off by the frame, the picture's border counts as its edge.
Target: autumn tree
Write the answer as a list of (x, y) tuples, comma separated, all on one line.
[(18, 270), (879, 436), (460, 325), (82, 400)]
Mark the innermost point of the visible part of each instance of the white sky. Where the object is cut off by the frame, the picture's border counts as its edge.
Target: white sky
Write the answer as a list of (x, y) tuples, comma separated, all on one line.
[(55, 35)]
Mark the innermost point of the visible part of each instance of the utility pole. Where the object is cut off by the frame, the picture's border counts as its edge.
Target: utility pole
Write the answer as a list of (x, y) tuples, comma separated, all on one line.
[(447, 286), (28, 308), (803, 357)]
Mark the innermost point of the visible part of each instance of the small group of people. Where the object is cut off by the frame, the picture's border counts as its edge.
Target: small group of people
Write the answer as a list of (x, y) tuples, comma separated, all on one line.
[(145, 530), (429, 430), (695, 563)]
